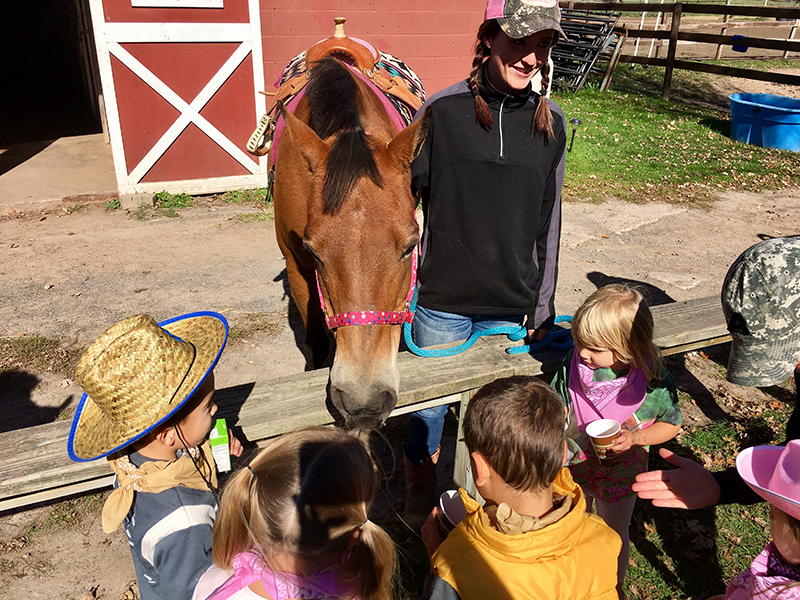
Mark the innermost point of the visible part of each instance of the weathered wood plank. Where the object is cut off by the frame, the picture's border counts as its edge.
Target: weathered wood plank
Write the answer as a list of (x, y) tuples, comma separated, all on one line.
[(35, 459), (34, 464), (689, 322)]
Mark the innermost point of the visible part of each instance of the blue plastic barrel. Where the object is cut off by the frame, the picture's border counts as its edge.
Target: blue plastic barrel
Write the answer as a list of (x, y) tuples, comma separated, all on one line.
[(766, 120)]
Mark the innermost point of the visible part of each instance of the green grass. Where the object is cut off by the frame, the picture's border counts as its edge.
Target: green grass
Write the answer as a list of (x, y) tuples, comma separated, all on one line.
[(69, 513), (36, 353), (140, 214), (145, 211), (678, 554), (112, 204), (76, 208), (7, 565), (633, 145), (258, 196), (247, 324), (166, 199), (253, 217)]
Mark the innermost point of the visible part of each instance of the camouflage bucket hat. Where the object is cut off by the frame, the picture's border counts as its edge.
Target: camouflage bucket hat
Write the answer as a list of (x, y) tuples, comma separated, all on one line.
[(521, 18), (761, 302)]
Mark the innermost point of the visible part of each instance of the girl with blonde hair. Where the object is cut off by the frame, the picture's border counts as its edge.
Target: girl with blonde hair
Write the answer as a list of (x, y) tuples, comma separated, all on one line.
[(294, 524), (615, 372)]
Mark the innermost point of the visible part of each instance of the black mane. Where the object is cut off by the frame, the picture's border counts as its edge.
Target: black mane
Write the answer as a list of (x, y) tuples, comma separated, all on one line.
[(331, 95)]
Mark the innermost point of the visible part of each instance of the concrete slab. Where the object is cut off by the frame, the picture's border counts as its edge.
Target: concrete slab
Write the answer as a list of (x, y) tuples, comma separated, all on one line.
[(39, 174), (584, 221)]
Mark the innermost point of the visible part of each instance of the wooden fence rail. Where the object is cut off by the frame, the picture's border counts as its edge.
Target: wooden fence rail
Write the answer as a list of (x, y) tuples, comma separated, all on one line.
[(674, 34), (34, 466)]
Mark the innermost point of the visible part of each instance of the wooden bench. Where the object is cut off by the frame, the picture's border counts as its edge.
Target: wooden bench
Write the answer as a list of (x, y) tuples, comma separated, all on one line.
[(34, 466)]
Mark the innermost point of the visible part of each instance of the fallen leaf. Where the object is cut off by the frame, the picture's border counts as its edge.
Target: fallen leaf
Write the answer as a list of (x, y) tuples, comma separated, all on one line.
[(66, 383), (250, 362), (603, 236)]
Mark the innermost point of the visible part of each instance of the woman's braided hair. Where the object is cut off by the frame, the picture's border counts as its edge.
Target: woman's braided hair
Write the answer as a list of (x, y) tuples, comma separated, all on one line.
[(542, 119)]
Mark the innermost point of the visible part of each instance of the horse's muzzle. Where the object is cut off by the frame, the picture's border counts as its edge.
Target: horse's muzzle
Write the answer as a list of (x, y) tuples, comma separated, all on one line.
[(363, 408)]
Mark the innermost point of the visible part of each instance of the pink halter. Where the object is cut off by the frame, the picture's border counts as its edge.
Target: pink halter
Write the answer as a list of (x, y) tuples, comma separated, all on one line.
[(371, 317)]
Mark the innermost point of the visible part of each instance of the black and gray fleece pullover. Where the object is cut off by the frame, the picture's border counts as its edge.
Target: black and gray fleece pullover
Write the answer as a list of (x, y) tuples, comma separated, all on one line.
[(492, 206)]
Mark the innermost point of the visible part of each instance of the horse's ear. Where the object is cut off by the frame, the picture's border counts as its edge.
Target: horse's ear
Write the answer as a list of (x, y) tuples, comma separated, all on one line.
[(308, 143), (406, 145)]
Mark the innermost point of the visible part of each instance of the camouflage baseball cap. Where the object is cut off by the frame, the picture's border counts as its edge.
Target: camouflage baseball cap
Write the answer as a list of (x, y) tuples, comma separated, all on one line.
[(761, 302), (521, 18)]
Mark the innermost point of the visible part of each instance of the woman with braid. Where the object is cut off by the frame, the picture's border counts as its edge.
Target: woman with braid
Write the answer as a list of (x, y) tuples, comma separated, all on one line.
[(490, 175)]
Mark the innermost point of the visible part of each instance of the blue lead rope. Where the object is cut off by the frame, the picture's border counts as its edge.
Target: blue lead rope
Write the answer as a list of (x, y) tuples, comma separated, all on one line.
[(559, 339)]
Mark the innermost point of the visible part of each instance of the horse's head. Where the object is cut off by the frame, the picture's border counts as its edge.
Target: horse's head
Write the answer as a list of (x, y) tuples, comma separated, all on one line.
[(362, 233)]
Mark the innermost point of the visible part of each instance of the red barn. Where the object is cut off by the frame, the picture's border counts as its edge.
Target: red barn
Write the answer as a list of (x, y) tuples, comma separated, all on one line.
[(180, 78)]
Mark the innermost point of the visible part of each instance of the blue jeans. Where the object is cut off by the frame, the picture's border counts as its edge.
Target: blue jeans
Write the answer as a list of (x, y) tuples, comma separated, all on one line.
[(431, 328)]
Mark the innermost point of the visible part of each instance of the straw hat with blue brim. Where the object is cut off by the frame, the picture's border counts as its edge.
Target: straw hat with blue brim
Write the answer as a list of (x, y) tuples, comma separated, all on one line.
[(137, 374), (761, 302), (521, 18), (773, 472)]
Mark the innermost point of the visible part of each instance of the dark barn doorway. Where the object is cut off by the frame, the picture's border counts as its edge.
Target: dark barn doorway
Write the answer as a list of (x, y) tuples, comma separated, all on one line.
[(48, 69)]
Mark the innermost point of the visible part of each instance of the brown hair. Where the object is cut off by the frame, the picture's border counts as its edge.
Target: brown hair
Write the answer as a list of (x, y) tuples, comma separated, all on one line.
[(517, 425), (617, 317), (542, 119), (306, 495)]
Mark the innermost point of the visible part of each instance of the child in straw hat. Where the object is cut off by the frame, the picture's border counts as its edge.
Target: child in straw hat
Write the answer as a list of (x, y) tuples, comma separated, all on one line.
[(773, 472), (148, 406)]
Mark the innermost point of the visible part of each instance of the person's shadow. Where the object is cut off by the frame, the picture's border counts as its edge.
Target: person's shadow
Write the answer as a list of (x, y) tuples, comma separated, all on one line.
[(654, 295), (16, 388), (688, 539)]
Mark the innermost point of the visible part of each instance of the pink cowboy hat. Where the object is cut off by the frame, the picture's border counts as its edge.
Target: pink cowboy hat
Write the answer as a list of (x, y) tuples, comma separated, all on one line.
[(774, 474)]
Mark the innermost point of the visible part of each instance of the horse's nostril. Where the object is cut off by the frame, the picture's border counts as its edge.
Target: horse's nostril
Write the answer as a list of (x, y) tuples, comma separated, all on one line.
[(363, 410)]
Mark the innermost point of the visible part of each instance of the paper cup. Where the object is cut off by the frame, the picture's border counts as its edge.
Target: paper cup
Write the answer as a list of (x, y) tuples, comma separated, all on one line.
[(602, 433), (451, 512)]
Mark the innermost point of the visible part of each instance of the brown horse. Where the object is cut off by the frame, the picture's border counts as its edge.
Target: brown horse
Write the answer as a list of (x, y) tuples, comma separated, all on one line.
[(343, 205)]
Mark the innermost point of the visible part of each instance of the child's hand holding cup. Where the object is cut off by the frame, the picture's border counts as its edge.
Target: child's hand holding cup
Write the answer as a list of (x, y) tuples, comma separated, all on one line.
[(451, 512), (602, 434)]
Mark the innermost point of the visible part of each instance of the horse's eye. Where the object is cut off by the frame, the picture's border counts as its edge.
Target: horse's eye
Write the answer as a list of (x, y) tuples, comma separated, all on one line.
[(409, 249), (310, 250)]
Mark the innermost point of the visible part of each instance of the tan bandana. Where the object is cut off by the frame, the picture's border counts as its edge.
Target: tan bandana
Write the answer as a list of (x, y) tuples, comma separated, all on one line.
[(155, 477), (506, 520)]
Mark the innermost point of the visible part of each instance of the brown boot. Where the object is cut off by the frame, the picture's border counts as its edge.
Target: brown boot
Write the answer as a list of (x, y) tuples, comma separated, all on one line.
[(420, 490)]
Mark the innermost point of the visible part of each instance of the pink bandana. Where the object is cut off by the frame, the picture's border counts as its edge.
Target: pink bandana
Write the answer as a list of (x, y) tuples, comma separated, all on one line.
[(615, 399), (249, 568)]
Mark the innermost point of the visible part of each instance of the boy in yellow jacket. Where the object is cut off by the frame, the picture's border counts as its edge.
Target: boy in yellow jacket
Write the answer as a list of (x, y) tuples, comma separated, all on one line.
[(532, 538)]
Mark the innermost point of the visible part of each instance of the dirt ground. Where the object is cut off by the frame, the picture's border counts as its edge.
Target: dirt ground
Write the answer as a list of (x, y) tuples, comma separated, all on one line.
[(69, 272)]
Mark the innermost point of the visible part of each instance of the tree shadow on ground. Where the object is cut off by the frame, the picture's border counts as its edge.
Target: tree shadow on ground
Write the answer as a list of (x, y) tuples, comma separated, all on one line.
[(16, 388), (686, 88), (720, 126)]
